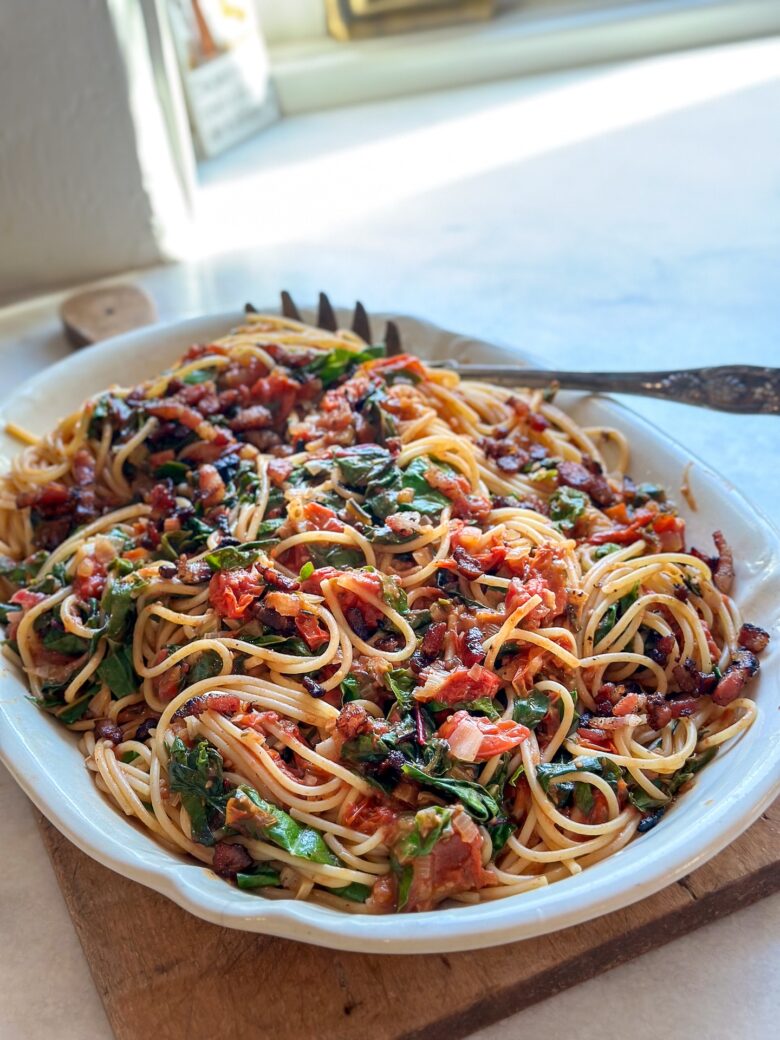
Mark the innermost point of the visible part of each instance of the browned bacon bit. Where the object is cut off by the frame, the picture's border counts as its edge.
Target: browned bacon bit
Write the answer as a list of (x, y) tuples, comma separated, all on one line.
[(175, 411), (690, 680), (751, 637), (290, 358), (284, 626), (743, 667), (211, 485), (193, 572), (433, 640), (472, 508), (473, 651), (467, 565), (313, 688), (257, 417), (722, 565), (575, 475), (223, 703), (660, 652), (162, 499), (450, 484), (105, 729), (84, 467), (681, 592), (277, 580), (723, 575), (453, 865), (352, 721), (51, 501), (661, 711), (279, 470), (230, 860)]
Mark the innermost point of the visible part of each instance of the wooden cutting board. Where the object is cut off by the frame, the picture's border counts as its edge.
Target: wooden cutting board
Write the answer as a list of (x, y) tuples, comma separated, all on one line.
[(162, 973)]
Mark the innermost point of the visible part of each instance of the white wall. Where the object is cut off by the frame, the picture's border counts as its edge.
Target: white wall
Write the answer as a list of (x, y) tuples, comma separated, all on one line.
[(78, 127)]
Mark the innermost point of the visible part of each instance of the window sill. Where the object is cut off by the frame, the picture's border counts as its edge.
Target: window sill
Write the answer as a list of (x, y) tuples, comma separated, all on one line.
[(321, 73)]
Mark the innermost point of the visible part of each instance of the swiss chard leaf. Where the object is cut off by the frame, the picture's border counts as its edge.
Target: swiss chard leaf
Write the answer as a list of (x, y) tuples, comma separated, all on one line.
[(480, 706), (116, 671), (401, 682), (614, 613), (117, 604), (260, 875), (263, 820), (566, 507), (394, 594), (355, 891), (532, 709), (363, 464), (207, 666), (22, 572), (195, 774), (474, 798), (336, 555), (429, 825), (330, 366), (229, 557), (500, 833)]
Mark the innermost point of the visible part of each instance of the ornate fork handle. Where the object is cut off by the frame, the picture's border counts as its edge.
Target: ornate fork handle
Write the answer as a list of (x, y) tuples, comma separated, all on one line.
[(749, 389)]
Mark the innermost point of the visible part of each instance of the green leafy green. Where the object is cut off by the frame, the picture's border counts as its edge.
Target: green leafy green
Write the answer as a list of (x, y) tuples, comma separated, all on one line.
[(480, 706), (474, 798), (336, 555), (260, 875), (177, 471), (614, 613), (195, 774), (605, 550), (22, 572), (262, 820), (116, 671), (350, 689), (330, 366), (566, 507), (306, 571), (192, 537), (394, 594), (76, 709), (500, 833), (54, 636), (532, 709), (355, 891), (645, 802), (207, 666), (292, 645), (429, 825), (198, 375), (363, 464), (117, 604), (401, 682)]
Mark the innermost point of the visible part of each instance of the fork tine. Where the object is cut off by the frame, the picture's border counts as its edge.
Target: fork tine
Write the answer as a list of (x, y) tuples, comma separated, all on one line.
[(392, 339), (360, 323), (249, 308), (326, 319), (289, 310)]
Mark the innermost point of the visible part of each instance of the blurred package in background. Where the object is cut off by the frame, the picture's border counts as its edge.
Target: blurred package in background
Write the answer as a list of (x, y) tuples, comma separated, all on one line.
[(225, 71), (360, 19)]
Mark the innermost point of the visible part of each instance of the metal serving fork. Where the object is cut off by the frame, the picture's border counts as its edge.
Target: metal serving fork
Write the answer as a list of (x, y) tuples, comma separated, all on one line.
[(747, 389)]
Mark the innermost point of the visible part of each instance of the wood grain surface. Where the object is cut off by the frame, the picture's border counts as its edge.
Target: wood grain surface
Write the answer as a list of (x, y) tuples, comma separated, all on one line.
[(165, 974)]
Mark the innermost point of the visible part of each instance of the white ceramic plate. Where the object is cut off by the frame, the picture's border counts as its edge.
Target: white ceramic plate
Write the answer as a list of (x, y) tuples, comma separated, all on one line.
[(728, 796)]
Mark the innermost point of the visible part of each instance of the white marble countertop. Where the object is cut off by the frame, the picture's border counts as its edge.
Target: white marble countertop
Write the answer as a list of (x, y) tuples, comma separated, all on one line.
[(611, 218)]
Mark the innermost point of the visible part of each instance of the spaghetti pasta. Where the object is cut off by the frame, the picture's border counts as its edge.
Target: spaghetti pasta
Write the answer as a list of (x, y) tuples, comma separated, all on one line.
[(346, 628)]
